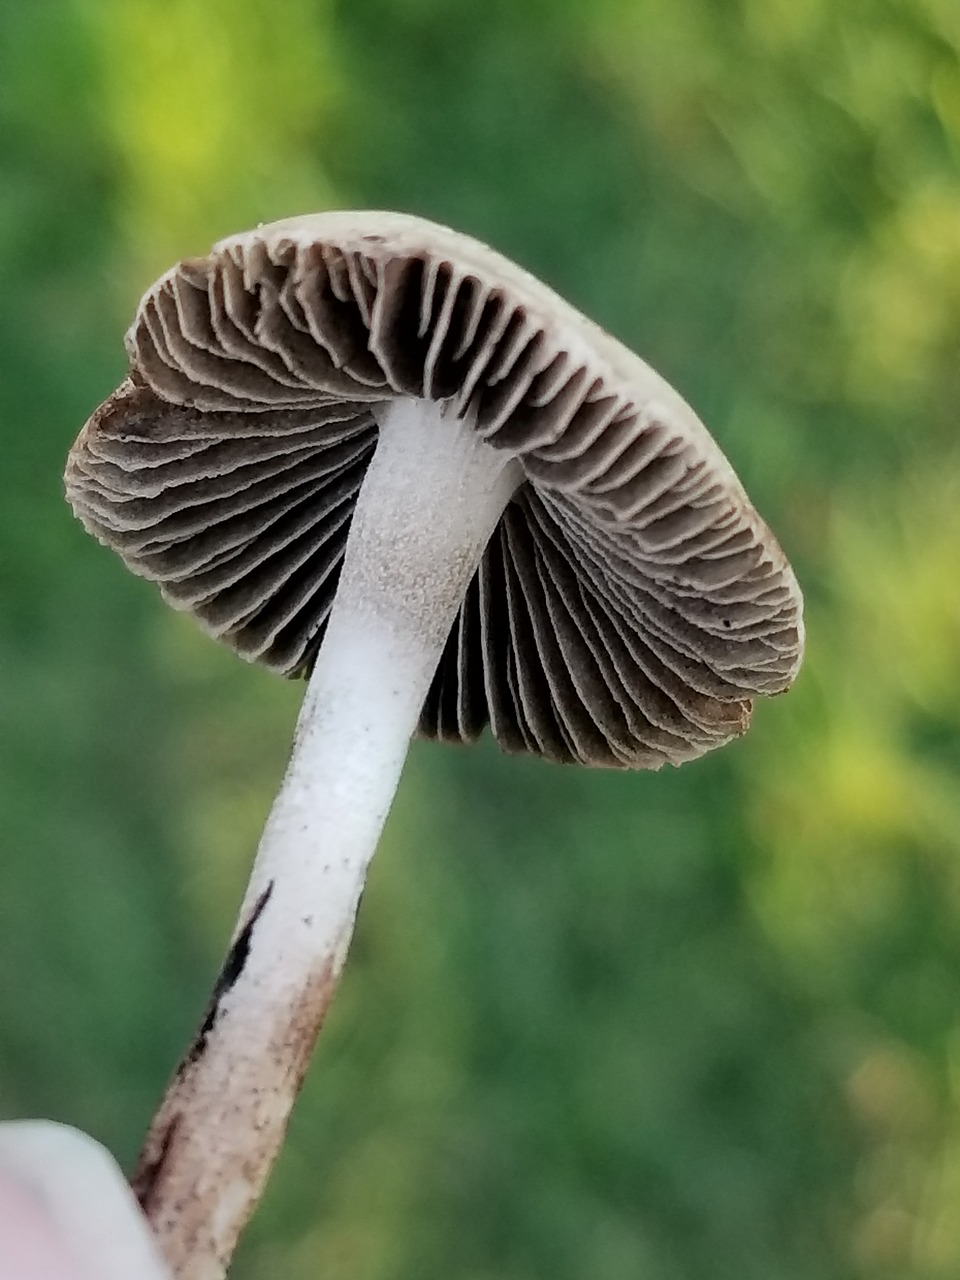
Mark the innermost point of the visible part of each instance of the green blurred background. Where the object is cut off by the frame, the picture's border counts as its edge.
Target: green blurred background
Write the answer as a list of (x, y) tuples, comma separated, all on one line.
[(689, 1026)]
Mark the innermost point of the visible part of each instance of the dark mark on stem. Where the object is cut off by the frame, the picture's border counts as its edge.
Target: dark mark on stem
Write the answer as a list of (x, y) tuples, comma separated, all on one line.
[(152, 1165), (152, 1162), (233, 966)]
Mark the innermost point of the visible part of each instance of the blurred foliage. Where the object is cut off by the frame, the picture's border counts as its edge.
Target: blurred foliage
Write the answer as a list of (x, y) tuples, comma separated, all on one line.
[(688, 1026)]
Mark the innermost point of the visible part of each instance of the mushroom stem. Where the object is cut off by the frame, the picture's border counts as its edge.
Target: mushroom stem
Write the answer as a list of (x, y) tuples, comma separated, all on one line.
[(430, 500)]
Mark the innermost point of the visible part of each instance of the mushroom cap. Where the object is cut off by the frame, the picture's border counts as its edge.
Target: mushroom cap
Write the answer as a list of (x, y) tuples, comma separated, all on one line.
[(630, 602)]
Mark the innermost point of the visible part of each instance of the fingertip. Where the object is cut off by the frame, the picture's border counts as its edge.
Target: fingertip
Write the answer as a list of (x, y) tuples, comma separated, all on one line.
[(63, 1178)]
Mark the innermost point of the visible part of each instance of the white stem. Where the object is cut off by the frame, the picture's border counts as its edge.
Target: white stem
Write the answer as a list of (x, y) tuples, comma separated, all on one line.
[(431, 498)]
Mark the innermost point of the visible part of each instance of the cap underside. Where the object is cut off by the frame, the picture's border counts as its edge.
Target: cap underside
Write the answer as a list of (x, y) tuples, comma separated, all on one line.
[(630, 602)]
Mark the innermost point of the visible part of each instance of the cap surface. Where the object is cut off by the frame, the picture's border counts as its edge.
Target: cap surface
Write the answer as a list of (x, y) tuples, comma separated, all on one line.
[(630, 603)]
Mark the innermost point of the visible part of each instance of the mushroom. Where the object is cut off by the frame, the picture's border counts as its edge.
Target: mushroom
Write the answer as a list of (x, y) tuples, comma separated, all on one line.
[(369, 450)]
